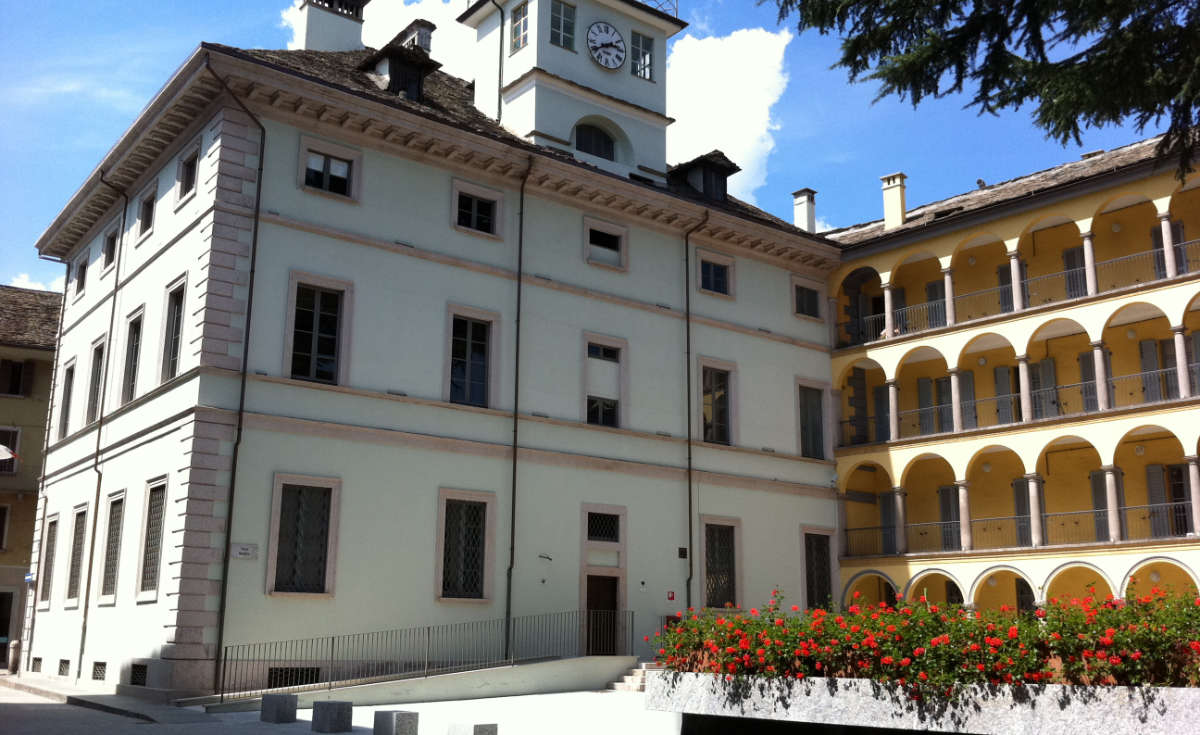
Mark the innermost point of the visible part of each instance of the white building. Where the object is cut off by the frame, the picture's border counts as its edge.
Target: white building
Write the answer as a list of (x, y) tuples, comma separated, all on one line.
[(488, 264)]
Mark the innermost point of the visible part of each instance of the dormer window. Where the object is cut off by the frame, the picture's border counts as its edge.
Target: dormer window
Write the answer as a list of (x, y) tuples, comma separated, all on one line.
[(714, 184), (592, 140), (704, 175)]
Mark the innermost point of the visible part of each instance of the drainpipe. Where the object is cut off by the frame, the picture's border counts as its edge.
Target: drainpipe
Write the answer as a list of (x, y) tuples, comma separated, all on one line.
[(500, 66), (218, 678), (516, 422), (27, 638), (108, 341), (687, 371)]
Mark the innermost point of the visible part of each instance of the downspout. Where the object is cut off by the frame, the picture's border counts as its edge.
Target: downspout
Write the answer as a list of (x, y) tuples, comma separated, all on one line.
[(500, 66), (516, 421), (27, 639), (108, 358), (687, 371), (218, 678)]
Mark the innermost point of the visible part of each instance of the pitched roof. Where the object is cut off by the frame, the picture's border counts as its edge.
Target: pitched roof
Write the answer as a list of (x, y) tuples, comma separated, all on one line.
[(716, 158), (30, 317), (1005, 192)]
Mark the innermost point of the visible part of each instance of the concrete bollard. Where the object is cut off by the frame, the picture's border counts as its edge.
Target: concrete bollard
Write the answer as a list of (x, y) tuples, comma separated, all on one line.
[(395, 722), (474, 729), (332, 716), (278, 708)]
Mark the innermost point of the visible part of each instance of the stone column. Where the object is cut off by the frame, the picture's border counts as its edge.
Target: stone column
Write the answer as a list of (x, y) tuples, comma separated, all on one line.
[(889, 318), (1035, 510), (1168, 238), (956, 401), (1181, 362), (1026, 390), (893, 410), (948, 280), (964, 516), (901, 520), (1114, 503), (1101, 372), (1194, 491), (1089, 264), (1018, 286)]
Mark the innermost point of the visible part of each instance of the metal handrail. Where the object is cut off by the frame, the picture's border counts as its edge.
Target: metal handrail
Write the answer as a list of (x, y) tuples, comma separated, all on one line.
[(1158, 520), (1150, 386), (1054, 287), (933, 536), (919, 317), (1128, 270), (983, 303)]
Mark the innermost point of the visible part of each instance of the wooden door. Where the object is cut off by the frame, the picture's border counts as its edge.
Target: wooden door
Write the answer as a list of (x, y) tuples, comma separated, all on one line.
[(602, 615)]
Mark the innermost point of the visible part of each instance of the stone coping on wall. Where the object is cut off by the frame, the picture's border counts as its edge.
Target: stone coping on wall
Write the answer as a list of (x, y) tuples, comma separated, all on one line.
[(1041, 708)]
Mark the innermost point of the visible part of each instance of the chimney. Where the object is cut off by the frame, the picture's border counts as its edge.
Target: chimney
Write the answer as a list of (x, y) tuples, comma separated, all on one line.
[(804, 209), (893, 200), (330, 25), (418, 33)]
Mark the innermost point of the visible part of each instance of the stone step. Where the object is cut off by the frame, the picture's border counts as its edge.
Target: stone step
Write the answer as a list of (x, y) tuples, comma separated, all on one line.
[(650, 666), (621, 686)]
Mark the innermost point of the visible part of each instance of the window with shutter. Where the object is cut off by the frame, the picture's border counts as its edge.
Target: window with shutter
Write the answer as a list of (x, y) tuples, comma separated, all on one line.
[(926, 416), (948, 507), (812, 422), (464, 549), (1074, 272), (935, 298), (302, 547), (1020, 491), (152, 546), (887, 521), (720, 571), (966, 390)]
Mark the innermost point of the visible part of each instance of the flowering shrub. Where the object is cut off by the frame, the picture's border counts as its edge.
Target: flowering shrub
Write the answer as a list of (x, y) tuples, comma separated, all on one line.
[(932, 649)]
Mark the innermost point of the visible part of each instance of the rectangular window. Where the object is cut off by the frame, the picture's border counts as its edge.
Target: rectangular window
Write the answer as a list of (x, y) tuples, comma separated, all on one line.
[(469, 358), (562, 25), (641, 61), (110, 248), (133, 352), (315, 334), (812, 422), (81, 268), (720, 567), (328, 173), (51, 541), (715, 384), (302, 545), (606, 245), (604, 527), (188, 169), (112, 546), (601, 411), (476, 213), (64, 410), (604, 352), (9, 438), (808, 302), (13, 378), (174, 333), (75, 570), (156, 502), (146, 214), (818, 582), (714, 277), (464, 548), (95, 382), (3, 537), (520, 27)]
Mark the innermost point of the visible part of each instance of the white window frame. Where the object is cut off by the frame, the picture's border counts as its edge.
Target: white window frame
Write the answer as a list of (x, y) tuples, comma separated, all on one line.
[(827, 429), (711, 256), (16, 450), (181, 197), (494, 345), (150, 191), (555, 5), (591, 223), (831, 532), (72, 603), (622, 378), (101, 341), (102, 599), (738, 564), (43, 605), (62, 418), (459, 186), (633, 66), (489, 550), (180, 282), (138, 313), (146, 596), (115, 233), (335, 497), (297, 278), (702, 362), (518, 39), (822, 300), (328, 148)]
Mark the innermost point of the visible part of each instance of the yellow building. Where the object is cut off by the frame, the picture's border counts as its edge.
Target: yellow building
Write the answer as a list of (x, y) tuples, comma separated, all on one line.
[(1019, 369)]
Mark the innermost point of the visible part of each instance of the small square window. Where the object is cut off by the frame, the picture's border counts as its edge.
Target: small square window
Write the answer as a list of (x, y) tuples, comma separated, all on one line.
[(808, 302), (476, 213), (604, 352), (110, 248), (602, 411), (146, 214), (188, 168), (714, 277), (16, 377), (328, 173), (604, 527)]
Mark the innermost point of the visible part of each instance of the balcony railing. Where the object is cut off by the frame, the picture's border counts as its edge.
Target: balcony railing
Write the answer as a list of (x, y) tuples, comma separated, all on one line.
[(985, 303), (1190, 251), (924, 421), (870, 541), (988, 412), (864, 430), (1162, 520), (1054, 287), (938, 536), (1004, 532), (1152, 386), (1130, 270), (919, 317), (861, 331)]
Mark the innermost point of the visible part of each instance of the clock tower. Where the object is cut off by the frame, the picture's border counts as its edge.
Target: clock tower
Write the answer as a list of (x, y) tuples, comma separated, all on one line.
[(587, 76)]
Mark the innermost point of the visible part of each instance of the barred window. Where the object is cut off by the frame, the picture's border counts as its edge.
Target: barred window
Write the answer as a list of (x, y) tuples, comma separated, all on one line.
[(328, 173), (562, 25), (112, 546), (716, 405), (720, 570), (520, 27), (95, 383), (818, 584), (51, 542), (74, 571), (133, 352), (604, 527), (315, 334), (464, 549), (302, 547), (174, 333), (812, 423), (469, 355), (641, 62), (152, 549)]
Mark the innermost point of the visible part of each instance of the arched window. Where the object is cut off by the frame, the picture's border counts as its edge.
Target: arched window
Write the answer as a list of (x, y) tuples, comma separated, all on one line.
[(593, 140)]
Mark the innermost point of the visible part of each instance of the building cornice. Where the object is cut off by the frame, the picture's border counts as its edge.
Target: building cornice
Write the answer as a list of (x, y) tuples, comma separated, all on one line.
[(523, 82)]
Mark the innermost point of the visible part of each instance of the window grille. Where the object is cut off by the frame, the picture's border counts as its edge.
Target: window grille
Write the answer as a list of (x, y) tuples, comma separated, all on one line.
[(152, 551), (64, 667), (601, 411), (808, 301), (812, 423), (303, 545), (51, 541), (315, 334), (95, 383), (469, 361), (464, 549), (328, 173), (714, 277), (99, 670), (716, 405), (133, 352), (720, 574), (817, 581), (593, 140), (604, 527), (112, 546), (36, 665), (520, 27), (64, 413), (137, 675), (476, 213), (170, 367), (9, 437), (562, 25), (74, 571), (641, 61)]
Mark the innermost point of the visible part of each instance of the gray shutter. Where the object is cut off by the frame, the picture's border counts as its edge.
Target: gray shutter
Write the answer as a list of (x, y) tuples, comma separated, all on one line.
[(882, 409), (935, 297), (27, 377), (966, 390), (925, 403), (1020, 488), (1168, 378), (1180, 251), (857, 401), (1004, 279), (1087, 376), (900, 317), (1160, 264), (1151, 386), (1004, 405), (948, 507), (1044, 388), (1100, 504), (945, 407), (1156, 495), (1076, 280), (887, 521)]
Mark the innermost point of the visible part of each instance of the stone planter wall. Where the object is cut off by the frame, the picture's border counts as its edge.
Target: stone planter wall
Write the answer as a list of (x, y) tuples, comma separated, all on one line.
[(1047, 708)]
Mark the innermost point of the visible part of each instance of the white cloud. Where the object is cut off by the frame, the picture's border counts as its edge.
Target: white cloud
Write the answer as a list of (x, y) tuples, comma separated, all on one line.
[(720, 91), (22, 280), (824, 225)]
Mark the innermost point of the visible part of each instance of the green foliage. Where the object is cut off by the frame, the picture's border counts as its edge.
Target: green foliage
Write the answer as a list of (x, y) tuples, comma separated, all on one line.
[(1082, 63)]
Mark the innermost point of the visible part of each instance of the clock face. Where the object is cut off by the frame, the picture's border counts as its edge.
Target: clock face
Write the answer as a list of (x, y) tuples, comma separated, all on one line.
[(606, 45)]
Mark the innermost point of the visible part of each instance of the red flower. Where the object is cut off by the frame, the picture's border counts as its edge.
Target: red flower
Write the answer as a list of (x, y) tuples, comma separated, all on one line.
[(919, 651), (922, 676), (886, 660), (1012, 632), (905, 661)]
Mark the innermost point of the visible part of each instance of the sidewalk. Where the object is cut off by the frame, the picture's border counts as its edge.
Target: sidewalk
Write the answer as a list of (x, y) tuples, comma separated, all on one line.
[(102, 699)]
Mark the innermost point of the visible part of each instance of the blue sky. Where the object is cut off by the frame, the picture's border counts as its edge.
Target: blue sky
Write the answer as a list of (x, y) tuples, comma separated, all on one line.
[(78, 73)]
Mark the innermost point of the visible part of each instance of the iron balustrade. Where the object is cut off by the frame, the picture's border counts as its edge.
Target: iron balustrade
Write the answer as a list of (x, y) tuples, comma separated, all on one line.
[(1075, 527), (1152, 386), (919, 317), (861, 331), (984, 303), (248, 670), (1003, 532), (862, 430), (1191, 256), (937, 419), (997, 411), (1160, 520), (870, 541), (1129, 270), (1055, 287), (938, 536)]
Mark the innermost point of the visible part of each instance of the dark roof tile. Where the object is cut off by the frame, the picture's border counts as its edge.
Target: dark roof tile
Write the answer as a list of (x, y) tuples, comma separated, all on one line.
[(29, 318)]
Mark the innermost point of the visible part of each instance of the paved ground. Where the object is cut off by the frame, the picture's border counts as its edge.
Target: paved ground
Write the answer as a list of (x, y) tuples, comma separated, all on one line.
[(579, 713)]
